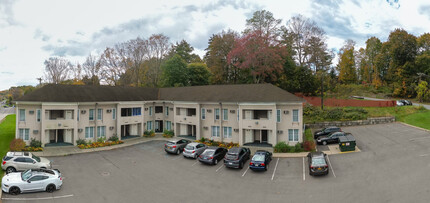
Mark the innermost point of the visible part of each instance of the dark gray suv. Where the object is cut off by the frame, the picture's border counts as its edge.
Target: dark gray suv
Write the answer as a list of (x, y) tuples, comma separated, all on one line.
[(236, 157)]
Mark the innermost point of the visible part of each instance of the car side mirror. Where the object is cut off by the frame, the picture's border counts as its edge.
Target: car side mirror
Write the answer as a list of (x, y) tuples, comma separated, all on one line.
[(28, 181), (34, 162)]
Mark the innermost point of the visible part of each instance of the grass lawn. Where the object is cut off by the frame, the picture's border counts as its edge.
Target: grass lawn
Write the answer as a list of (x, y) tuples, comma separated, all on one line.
[(421, 120), (7, 134)]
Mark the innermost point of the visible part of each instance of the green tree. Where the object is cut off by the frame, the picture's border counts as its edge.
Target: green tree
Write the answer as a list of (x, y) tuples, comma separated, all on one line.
[(185, 51), (422, 91), (175, 72), (198, 74), (373, 48), (424, 43), (264, 23), (216, 58), (346, 66)]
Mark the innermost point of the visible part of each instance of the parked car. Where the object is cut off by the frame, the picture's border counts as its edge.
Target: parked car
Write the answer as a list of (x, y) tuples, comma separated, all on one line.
[(236, 157), (21, 161), (407, 102), (194, 149), (326, 131), (332, 138), (32, 180), (212, 155), (399, 103), (175, 146), (260, 160), (318, 163)]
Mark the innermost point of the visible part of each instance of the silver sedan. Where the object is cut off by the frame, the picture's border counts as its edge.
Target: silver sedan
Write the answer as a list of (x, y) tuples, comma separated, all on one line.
[(193, 150)]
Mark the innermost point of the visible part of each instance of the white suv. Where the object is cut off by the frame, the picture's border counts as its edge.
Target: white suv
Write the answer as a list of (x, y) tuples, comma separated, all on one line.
[(21, 161)]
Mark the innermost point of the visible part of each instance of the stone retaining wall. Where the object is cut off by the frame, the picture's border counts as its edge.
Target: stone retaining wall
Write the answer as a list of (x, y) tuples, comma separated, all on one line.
[(369, 121)]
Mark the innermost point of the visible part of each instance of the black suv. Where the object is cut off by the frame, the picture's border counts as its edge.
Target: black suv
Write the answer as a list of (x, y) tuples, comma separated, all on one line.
[(326, 131), (236, 157), (332, 138)]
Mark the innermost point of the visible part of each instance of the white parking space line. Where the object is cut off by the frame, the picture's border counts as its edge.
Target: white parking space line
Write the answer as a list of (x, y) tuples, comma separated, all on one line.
[(274, 171), (219, 168), (177, 157), (195, 163), (245, 172), (37, 198), (304, 169), (425, 155), (332, 170)]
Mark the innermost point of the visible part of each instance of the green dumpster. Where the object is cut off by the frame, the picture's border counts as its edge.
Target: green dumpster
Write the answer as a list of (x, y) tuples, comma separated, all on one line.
[(347, 143)]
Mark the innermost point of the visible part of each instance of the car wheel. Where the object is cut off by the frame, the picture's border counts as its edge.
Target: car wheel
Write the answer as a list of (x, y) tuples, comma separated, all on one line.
[(216, 162), (178, 151), (241, 165), (324, 143), (14, 191), (10, 170), (50, 188)]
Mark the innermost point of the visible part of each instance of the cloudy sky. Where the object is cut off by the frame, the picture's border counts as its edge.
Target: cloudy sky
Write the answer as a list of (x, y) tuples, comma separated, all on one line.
[(31, 31)]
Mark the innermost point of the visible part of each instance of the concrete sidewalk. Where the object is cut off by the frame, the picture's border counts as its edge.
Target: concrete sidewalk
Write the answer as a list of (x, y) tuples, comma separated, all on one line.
[(69, 150)]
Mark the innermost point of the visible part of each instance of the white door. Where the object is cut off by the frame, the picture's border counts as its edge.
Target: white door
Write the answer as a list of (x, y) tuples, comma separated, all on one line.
[(68, 136), (248, 136)]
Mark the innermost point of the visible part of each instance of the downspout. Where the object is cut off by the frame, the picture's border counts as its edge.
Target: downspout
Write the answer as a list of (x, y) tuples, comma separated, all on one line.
[(221, 120), (95, 121), (241, 136)]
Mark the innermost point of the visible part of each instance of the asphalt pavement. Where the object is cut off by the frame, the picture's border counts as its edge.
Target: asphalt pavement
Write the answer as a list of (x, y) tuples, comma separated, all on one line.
[(391, 167)]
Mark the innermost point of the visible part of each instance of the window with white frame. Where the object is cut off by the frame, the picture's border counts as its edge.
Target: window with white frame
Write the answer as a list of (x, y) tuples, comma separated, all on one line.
[(237, 114), (99, 114), (168, 125), (22, 115), (295, 115), (167, 110), (101, 131), (38, 115), (24, 134), (216, 114), (150, 110), (91, 115), (149, 125), (227, 132), (203, 114), (278, 115), (113, 114), (215, 131), (89, 132), (79, 111), (293, 135), (225, 114)]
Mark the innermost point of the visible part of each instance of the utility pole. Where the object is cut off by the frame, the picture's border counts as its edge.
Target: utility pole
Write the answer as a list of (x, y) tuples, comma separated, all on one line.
[(40, 80), (322, 91)]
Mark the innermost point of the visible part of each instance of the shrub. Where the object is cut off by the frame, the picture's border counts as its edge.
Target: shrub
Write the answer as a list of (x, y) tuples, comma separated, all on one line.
[(81, 142), (281, 147), (309, 145), (101, 139), (202, 140), (168, 133), (298, 147), (149, 133), (35, 143), (17, 145), (113, 138)]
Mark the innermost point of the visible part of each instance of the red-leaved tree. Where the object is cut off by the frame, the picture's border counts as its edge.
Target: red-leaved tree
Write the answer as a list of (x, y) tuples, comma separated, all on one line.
[(259, 55)]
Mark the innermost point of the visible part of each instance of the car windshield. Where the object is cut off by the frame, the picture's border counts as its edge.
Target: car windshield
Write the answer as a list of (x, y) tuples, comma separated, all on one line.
[(318, 162), (35, 157), (208, 152), (26, 175), (258, 157), (189, 147), (171, 143)]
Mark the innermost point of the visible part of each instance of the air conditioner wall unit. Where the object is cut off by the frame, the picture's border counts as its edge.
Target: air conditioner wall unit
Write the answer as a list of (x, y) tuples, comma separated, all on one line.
[(232, 111), (109, 110), (111, 128), (236, 130), (83, 111), (286, 112), (280, 131), (80, 130)]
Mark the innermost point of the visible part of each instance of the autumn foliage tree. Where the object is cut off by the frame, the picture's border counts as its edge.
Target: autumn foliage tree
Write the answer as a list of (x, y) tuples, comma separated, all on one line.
[(260, 56)]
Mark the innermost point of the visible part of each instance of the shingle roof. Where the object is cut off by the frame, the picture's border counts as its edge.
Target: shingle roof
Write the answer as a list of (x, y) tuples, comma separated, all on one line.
[(229, 93), (209, 93), (87, 93)]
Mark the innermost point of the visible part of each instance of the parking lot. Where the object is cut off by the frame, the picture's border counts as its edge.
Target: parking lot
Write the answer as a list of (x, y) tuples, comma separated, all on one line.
[(391, 167)]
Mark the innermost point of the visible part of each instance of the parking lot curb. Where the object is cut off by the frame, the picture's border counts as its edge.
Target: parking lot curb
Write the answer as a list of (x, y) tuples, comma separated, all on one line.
[(76, 150), (1, 191), (290, 155), (414, 126)]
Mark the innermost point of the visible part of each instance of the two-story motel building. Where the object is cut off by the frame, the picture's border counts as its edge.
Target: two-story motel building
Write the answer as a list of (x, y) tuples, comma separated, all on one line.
[(254, 113)]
